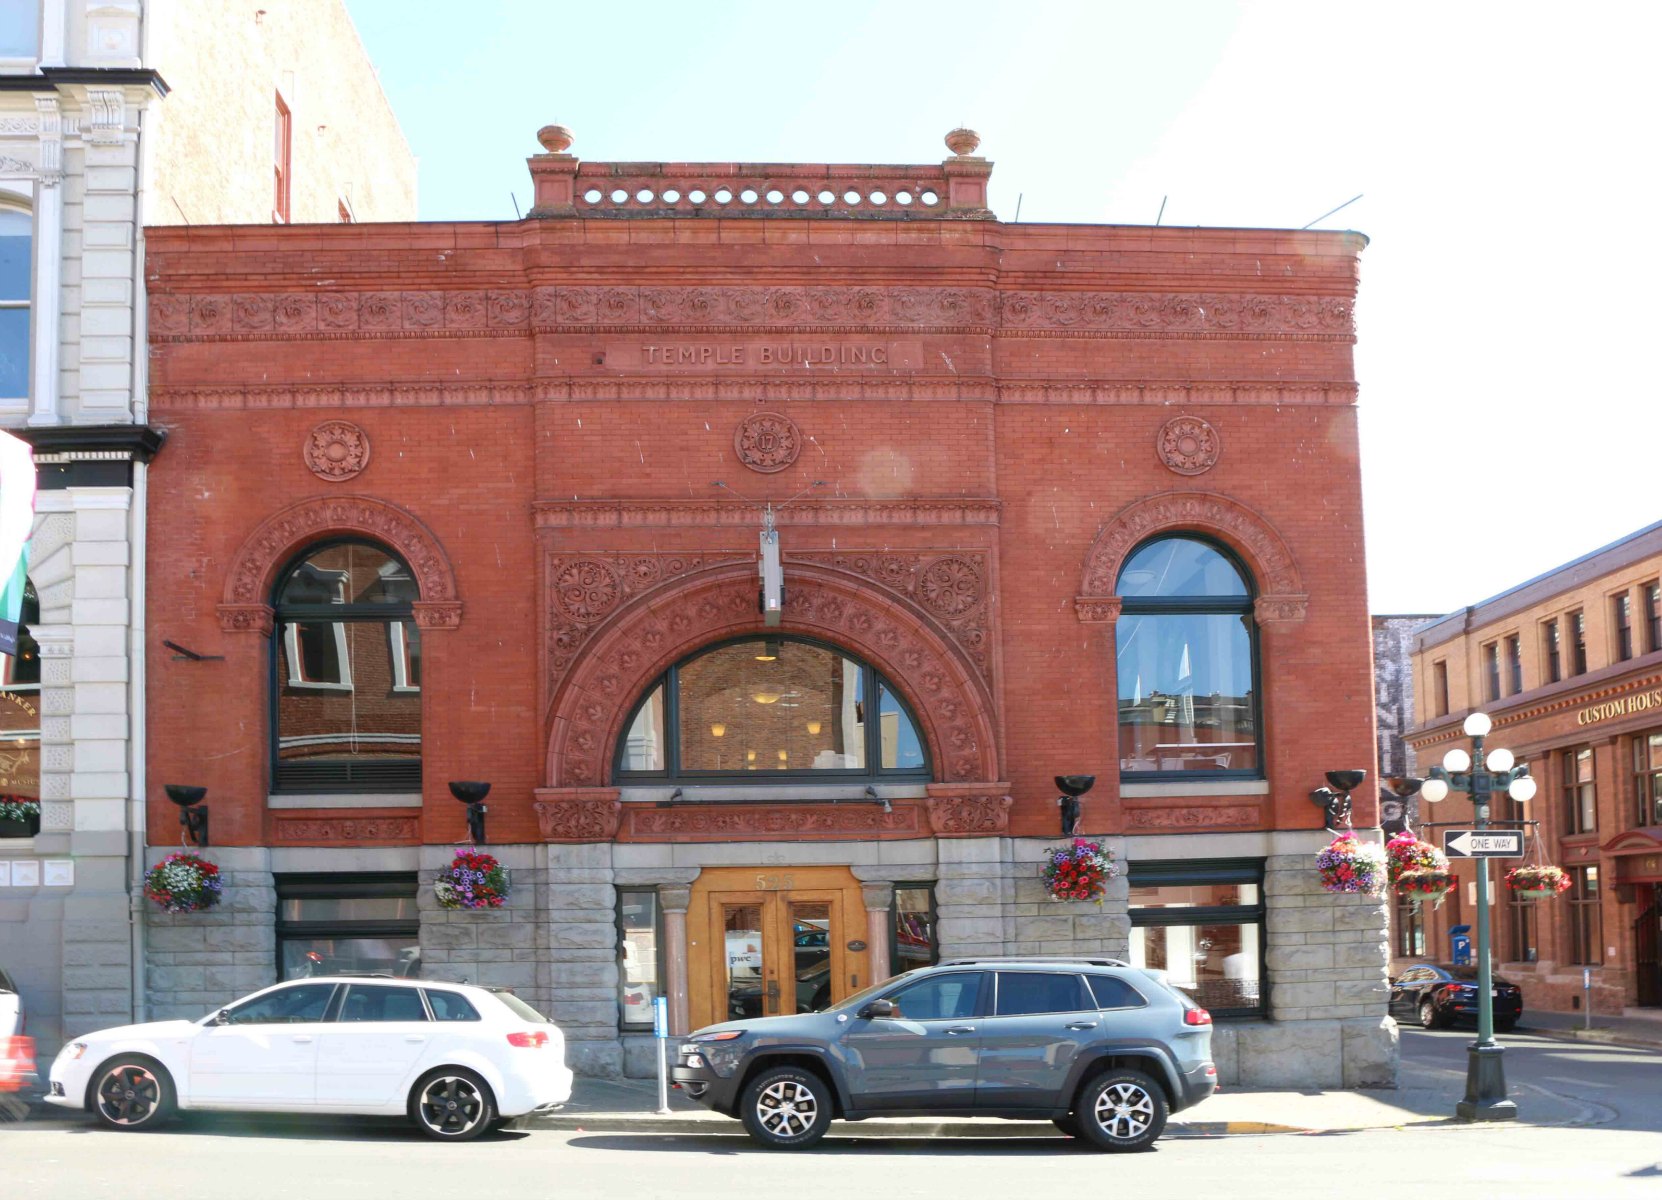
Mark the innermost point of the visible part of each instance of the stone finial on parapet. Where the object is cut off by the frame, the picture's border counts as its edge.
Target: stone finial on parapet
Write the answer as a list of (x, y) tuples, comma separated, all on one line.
[(554, 174), (963, 142), (966, 176)]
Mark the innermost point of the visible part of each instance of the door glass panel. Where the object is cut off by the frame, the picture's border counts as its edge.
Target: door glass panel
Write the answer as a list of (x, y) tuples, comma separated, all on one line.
[(1023, 993), (372, 1003), (742, 925), (285, 1007), (811, 939), (942, 998)]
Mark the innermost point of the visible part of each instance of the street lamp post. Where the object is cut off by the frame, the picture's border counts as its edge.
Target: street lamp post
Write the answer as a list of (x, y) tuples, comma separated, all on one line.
[(1481, 776)]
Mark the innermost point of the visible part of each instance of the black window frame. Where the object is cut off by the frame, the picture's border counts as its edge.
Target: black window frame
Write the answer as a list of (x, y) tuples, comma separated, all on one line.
[(393, 775), (896, 967), (329, 886), (1242, 606), (1514, 664), (1408, 928), (1653, 616), (873, 683), (1552, 650), (1187, 873), (1621, 622), (1523, 929), (659, 977), (1571, 789), (1491, 670), (1578, 642), (1439, 688), (1647, 779), (1583, 917)]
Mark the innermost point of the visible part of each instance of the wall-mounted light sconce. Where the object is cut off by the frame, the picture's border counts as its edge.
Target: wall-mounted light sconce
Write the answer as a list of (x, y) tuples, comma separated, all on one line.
[(193, 814), (1396, 799), (473, 795), (765, 697), (881, 801), (1073, 787), (1335, 799)]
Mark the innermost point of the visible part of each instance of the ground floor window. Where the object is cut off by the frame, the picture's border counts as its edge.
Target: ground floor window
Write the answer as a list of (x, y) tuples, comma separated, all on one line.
[(327, 924), (1520, 920), (640, 965), (1408, 922), (1202, 922), (1586, 930), (912, 935)]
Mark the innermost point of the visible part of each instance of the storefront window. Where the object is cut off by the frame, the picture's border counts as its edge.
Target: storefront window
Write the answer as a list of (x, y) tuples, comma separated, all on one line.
[(328, 924), (20, 708), (639, 940), (1186, 664), (1647, 776), (761, 707), (1409, 924), (1202, 922), (347, 668), (1586, 929), (912, 938), (1521, 928)]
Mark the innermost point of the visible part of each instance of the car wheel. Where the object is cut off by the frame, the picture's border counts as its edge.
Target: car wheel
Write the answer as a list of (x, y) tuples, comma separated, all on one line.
[(1428, 1015), (452, 1105), (132, 1093), (1505, 1026), (786, 1108), (1121, 1110), (1069, 1125)]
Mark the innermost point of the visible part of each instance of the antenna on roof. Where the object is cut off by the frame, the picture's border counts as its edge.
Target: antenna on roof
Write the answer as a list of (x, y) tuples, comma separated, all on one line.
[(1162, 211), (1331, 211), (1018, 207), (515, 199)]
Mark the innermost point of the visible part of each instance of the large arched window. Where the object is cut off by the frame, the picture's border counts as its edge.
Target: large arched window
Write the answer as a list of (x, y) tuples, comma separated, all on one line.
[(346, 673), (1186, 658), (767, 707)]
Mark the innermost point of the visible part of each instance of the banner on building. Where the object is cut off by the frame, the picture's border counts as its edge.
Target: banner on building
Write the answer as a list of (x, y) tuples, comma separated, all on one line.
[(17, 517)]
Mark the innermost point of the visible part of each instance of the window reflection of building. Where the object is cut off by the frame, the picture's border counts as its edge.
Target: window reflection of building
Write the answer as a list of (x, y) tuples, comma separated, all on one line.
[(348, 672), (1203, 924), (20, 707), (1185, 661), (770, 705)]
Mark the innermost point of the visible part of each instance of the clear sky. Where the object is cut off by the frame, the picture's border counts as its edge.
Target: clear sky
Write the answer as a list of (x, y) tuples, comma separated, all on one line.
[(1505, 155)]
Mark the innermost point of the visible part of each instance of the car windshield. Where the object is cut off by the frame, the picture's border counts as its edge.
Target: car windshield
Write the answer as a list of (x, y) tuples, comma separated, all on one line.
[(521, 1009), (877, 989)]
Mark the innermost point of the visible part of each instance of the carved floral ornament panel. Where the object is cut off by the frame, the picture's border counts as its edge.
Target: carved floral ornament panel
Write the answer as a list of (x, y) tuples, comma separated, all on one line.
[(767, 442), (586, 589), (1188, 445), (597, 689), (337, 451), (434, 311)]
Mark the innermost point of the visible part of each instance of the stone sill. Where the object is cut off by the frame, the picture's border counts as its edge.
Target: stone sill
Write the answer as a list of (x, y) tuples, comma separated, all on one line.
[(346, 800), (803, 793), (1202, 787)]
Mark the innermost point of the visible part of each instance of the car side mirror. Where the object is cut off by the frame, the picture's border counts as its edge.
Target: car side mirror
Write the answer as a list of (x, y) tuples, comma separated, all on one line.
[(222, 1017), (876, 1008)]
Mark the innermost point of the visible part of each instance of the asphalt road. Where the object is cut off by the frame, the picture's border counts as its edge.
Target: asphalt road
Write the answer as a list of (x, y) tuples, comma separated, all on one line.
[(242, 1158)]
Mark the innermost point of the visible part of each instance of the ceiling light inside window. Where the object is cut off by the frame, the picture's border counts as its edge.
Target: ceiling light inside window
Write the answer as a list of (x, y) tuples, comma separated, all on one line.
[(765, 697)]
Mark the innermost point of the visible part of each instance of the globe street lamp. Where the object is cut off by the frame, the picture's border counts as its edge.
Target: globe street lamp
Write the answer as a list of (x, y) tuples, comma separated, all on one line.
[(1481, 776)]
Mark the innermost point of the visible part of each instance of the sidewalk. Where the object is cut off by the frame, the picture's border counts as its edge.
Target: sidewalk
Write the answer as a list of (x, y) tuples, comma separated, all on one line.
[(1635, 1027), (1425, 1096)]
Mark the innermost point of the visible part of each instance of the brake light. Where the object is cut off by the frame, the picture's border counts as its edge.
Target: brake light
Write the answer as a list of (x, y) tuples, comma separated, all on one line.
[(1196, 1016), (528, 1041)]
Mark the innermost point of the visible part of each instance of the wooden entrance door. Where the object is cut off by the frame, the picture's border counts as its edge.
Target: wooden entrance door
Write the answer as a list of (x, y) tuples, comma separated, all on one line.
[(771, 941)]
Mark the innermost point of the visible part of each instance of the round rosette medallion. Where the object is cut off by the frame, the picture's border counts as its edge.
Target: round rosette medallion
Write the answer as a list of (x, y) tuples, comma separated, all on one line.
[(1188, 445), (337, 450), (767, 442)]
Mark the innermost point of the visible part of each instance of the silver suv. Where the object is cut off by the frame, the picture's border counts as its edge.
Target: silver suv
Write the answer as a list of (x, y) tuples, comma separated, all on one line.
[(1104, 1049)]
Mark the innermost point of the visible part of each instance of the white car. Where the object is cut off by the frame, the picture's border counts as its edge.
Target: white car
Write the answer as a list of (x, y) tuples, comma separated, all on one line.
[(455, 1059)]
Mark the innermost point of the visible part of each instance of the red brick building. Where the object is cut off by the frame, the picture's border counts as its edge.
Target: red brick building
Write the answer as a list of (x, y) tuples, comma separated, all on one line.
[(1001, 459)]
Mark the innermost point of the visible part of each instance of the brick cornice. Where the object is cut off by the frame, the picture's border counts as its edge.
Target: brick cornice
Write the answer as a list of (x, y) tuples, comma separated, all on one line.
[(1565, 695)]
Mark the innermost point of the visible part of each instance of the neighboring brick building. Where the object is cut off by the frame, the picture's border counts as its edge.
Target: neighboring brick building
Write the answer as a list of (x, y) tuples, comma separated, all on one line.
[(1393, 702), (1000, 459), (114, 117), (1569, 667)]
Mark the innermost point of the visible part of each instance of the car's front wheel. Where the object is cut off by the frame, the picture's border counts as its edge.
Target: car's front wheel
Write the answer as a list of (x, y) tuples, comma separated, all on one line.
[(786, 1108), (1121, 1110), (132, 1093), (452, 1105)]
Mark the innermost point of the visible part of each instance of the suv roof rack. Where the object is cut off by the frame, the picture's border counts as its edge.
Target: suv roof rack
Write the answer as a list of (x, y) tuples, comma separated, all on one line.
[(1081, 959)]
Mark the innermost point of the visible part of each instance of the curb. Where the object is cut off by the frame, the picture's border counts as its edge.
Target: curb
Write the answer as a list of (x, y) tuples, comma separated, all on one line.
[(883, 1127), (1605, 1037)]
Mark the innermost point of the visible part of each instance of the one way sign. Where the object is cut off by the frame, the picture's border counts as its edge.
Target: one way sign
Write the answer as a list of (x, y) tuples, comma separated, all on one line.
[(1487, 843)]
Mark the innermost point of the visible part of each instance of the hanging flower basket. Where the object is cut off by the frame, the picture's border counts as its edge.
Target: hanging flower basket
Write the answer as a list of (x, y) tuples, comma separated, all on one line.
[(1421, 884), (472, 880), (183, 883), (1348, 865), (1080, 871), (1405, 853), (19, 816), (1537, 883)]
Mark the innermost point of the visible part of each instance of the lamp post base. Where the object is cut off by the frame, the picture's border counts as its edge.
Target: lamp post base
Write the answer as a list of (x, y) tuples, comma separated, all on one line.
[(1485, 1086)]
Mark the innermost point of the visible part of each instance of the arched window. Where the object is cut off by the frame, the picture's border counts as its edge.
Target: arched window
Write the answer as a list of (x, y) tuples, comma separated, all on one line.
[(1187, 662), (346, 673), (16, 276), (766, 707)]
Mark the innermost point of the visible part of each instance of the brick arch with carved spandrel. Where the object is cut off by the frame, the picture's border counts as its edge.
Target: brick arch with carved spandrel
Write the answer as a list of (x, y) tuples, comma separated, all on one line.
[(280, 537), (644, 638), (1280, 586)]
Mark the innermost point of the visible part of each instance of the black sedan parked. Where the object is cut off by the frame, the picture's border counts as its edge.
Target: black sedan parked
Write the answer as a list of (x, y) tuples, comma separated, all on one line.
[(1437, 993)]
